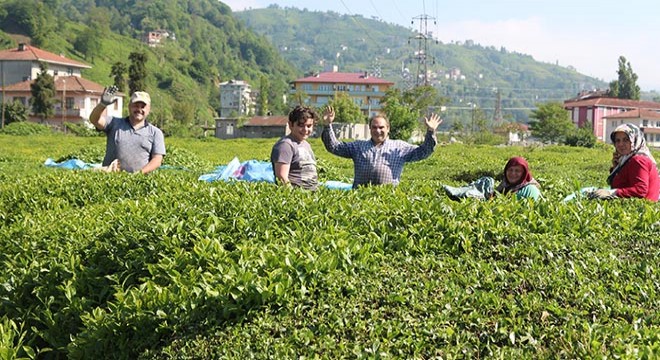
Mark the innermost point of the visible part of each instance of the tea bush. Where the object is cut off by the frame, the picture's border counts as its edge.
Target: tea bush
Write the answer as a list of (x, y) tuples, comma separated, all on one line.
[(99, 265)]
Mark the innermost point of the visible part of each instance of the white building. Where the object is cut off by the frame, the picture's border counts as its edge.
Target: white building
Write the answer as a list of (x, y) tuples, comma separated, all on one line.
[(77, 96), (235, 99), (647, 120)]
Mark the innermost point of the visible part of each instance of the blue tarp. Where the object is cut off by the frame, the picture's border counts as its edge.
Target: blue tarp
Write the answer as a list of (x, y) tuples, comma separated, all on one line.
[(71, 164), (75, 164), (255, 170), (251, 170)]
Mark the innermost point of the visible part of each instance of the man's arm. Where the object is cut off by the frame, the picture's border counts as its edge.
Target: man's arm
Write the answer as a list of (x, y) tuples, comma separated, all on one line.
[(637, 170), (333, 145), (426, 149), (282, 173), (95, 117), (153, 164), (157, 153)]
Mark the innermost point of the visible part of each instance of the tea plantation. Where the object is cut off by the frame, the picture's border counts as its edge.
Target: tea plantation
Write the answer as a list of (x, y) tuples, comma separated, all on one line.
[(164, 266)]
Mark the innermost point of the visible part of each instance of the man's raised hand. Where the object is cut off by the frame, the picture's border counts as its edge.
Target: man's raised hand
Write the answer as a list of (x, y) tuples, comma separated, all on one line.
[(108, 96), (433, 122), (328, 115)]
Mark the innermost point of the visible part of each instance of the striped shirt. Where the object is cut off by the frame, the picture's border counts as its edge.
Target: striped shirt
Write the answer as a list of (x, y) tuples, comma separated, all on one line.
[(378, 164)]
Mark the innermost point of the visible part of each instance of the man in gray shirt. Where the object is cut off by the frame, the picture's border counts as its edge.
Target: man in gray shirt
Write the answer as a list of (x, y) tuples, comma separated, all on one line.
[(135, 143)]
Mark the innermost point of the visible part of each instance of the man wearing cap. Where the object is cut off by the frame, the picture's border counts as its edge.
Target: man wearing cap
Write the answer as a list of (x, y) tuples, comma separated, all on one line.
[(138, 145)]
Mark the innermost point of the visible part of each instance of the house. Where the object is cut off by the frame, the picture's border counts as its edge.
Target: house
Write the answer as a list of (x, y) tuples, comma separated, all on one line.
[(647, 120), (235, 99), (594, 110), (24, 63), (515, 133), (78, 96), (155, 37), (255, 127), (365, 91)]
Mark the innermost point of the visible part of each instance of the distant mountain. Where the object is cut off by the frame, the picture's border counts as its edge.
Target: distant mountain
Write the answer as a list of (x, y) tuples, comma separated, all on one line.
[(465, 72)]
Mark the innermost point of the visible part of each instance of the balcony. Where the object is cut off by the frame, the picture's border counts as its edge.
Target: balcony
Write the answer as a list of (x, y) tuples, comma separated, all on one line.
[(332, 93), (68, 112)]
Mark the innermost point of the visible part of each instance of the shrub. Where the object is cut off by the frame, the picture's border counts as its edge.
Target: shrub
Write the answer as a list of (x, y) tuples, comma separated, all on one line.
[(25, 128)]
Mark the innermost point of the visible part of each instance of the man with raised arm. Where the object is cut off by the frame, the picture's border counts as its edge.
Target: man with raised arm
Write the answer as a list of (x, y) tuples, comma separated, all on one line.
[(137, 145), (379, 160)]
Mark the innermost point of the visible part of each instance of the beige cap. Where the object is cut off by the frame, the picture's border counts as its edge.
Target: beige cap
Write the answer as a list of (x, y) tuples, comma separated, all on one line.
[(141, 96)]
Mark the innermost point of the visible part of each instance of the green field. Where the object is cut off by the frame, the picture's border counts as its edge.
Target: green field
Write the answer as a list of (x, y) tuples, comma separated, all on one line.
[(164, 266)]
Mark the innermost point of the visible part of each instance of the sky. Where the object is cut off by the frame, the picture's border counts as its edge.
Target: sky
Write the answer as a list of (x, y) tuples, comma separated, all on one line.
[(589, 35)]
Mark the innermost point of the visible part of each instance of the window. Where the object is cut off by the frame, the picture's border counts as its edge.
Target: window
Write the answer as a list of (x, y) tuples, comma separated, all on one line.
[(613, 123), (69, 71), (645, 123), (657, 124), (306, 87), (325, 87), (230, 129), (375, 88), (69, 103), (21, 99)]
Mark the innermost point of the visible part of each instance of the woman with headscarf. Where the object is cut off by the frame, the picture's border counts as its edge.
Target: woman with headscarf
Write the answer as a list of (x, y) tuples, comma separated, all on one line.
[(634, 173), (519, 180)]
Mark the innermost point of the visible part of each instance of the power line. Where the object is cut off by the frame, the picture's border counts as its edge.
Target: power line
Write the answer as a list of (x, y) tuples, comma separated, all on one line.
[(399, 11), (375, 9)]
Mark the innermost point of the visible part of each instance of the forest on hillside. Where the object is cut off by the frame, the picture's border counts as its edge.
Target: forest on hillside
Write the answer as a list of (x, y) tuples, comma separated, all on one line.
[(271, 47), (208, 46)]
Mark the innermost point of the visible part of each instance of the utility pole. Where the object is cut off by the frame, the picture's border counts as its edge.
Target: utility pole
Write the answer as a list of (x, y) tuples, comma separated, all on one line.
[(2, 70), (421, 54), (498, 109)]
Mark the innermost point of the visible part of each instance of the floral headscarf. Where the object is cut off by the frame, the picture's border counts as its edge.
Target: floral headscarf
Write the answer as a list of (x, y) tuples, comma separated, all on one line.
[(525, 180), (637, 144)]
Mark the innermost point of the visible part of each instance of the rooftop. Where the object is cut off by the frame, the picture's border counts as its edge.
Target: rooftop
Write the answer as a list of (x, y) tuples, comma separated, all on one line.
[(26, 52), (343, 78)]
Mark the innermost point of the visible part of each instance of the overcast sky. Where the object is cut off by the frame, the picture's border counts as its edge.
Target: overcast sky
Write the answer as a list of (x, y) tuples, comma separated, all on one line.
[(589, 35)]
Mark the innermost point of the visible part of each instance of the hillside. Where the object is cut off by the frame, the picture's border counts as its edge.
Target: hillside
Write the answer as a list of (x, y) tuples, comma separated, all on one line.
[(208, 46), (312, 40)]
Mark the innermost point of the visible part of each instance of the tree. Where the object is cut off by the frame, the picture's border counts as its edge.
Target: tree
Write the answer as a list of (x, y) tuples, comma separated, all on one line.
[(137, 72), (88, 42), (584, 137), (626, 86), (300, 97), (346, 110), (421, 98), (15, 112), (43, 94), (403, 118), (552, 122), (262, 98), (118, 73), (417, 101)]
